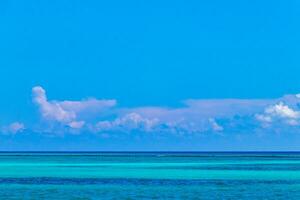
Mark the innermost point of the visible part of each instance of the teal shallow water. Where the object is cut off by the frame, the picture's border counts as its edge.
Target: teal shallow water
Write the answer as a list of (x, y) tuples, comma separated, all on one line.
[(150, 176)]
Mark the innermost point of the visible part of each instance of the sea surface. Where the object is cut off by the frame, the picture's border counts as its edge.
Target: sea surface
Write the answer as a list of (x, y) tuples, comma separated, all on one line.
[(151, 175)]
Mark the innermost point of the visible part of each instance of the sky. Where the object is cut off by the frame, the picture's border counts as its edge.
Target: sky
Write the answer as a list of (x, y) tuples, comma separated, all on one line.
[(149, 75)]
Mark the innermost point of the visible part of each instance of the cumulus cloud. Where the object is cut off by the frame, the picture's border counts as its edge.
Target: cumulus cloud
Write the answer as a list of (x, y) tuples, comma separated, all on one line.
[(51, 110), (166, 120), (129, 122), (69, 113), (279, 112)]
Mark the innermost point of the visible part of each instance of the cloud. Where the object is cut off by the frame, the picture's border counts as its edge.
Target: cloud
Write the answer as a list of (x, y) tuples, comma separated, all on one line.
[(129, 122), (194, 116), (51, 110), (69, 113), (227, 107), (215, 125), (13, 128), (76, 125), (159, 120), (279, 113)]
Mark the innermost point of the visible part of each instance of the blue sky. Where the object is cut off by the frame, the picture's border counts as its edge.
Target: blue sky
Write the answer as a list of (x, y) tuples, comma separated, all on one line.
[(149, 75)]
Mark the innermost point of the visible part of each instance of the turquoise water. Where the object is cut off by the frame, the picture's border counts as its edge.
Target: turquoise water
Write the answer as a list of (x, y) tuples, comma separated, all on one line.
[(150, 176)]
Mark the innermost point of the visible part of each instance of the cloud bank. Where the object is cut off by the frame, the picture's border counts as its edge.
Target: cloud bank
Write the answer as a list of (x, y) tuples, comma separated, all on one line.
[(193, 117)]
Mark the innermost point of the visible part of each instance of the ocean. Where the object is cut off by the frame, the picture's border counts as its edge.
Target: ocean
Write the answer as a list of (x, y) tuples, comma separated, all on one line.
[(149, 175)]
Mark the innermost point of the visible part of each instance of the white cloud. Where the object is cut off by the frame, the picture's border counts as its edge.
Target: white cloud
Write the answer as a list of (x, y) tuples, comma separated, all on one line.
[(131, 121), (51, 110), (159, 123), (282, 111), (279, 112), (69, 113)]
